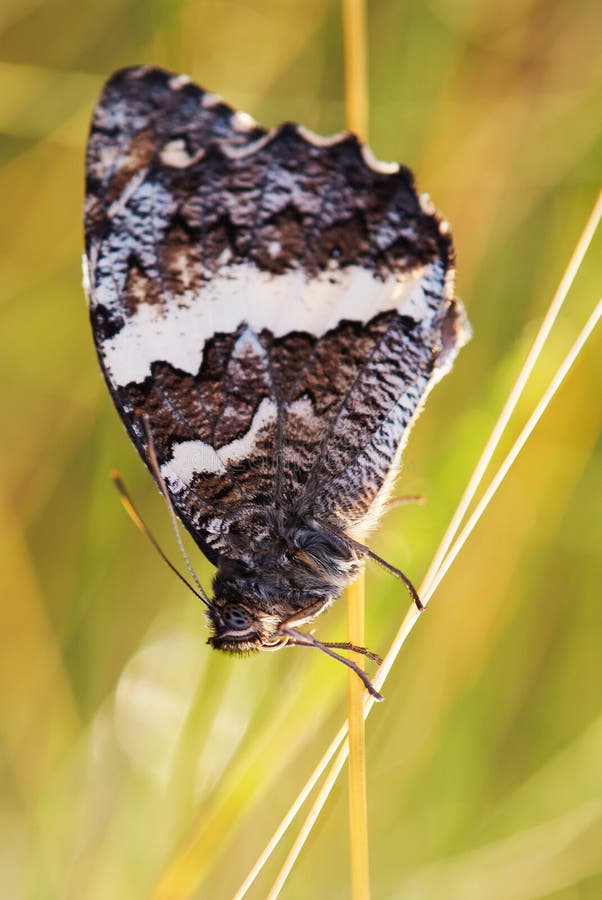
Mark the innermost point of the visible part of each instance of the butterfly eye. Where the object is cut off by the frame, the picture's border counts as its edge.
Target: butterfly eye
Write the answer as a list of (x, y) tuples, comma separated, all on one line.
[(236, 618)]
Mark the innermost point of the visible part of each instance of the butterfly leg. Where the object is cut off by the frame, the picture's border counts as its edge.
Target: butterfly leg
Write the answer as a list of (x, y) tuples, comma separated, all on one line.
[(396, 572), (408, 500), (301, 639), (364, 551)]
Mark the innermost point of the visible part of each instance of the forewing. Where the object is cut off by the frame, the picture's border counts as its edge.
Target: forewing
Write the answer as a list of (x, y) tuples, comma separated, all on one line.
[(276, 304)]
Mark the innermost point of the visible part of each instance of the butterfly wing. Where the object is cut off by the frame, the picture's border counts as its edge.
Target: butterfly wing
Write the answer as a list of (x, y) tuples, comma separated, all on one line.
[(276, 304)]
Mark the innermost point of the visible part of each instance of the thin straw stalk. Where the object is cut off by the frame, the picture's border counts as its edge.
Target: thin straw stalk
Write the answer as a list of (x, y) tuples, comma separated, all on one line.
[(356, 114), (443, 554), (413, 614)]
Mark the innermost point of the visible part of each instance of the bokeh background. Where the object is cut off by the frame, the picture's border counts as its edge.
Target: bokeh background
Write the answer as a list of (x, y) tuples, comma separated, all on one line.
[(137, 763)]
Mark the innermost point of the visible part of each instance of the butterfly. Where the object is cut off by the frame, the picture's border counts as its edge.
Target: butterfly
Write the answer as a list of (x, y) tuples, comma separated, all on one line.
[(270, 310)]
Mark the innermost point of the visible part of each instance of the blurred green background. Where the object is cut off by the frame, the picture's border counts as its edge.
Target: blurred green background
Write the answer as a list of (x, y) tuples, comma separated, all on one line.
[(129, 749)]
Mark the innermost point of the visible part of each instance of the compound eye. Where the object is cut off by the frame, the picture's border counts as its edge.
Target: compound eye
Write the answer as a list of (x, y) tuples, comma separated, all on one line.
[(236, 618)]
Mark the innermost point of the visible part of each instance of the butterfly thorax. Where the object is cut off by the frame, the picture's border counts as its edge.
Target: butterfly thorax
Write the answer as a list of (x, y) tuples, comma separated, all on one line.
[(283, 570)]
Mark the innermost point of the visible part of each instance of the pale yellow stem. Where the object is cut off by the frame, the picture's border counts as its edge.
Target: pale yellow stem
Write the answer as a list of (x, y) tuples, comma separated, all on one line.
[(356, 67), (356, 120), (358, 817)]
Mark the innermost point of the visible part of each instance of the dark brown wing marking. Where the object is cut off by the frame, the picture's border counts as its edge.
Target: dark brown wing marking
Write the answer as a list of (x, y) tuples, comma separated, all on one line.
[(276, 303)]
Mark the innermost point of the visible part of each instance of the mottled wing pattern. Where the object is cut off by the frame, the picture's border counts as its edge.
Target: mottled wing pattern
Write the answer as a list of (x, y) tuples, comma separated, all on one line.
[(276, 303)]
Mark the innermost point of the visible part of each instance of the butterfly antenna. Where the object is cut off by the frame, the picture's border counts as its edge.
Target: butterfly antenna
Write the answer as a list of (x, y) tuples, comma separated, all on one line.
[(132, 512), (301, 639), (154, 464)]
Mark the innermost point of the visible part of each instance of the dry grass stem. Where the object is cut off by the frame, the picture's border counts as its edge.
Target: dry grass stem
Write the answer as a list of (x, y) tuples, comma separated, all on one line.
[(308, 824), (449, 550), (356, 66), (413, 614), (293, 812), (527, 431), (519, 386), (358, 813), (356, 120)]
